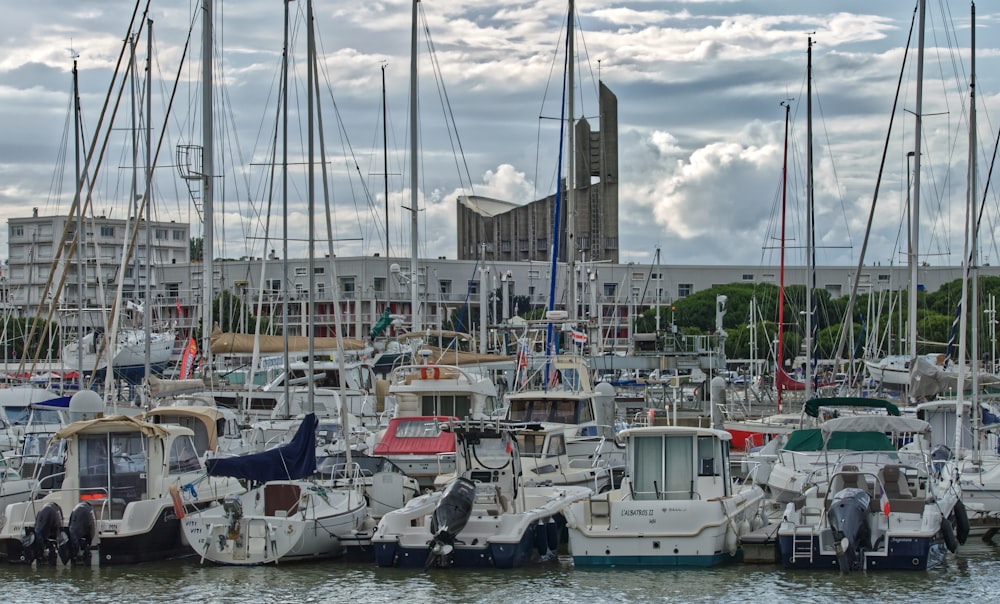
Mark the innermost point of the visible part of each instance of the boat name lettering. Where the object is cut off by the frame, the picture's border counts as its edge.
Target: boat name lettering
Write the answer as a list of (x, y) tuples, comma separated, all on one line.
[(637, 512)]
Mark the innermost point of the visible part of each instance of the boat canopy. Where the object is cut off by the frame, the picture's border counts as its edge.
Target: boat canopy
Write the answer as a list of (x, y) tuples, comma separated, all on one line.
[(243, 343), (813, 406), (885, 424), (421, 435), (292, 461), (113, 424), (811, 439)]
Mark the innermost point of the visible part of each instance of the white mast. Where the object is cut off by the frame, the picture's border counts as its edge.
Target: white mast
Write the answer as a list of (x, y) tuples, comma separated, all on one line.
[(414, 252), (911, 302), (570, 173), (208, 171)]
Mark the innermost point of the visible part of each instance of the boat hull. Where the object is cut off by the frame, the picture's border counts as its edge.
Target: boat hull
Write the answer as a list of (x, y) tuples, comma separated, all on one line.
[(902, 553)]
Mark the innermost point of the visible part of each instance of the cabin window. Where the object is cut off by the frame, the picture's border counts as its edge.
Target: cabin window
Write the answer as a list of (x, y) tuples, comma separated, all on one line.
[(183, 456), (557, 445), (419, 429), (446, 404), (663, 468), (707, 457), (530, 445)]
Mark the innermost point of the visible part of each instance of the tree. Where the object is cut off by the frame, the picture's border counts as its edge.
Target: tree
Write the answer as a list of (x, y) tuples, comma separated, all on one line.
[(196, 247)]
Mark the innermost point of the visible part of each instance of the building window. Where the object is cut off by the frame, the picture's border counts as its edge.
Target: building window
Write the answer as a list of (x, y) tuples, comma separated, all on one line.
[(610, 290), (505, 246), (379, 284), (319, 270), (347, 285), (444, 287), (107, 231), (748, 276), (522, 245), (533, 274), (473, 288), (638, 276), (320, 289), (541, 244), (178, 235), (17, 231), (767, 277), (275, 285), (684, 290), (161, 234), (611, 243), (883, 278), (301, 271)]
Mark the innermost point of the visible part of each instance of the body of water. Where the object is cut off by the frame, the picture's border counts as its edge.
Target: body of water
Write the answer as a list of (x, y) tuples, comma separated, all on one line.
[(973, 574)]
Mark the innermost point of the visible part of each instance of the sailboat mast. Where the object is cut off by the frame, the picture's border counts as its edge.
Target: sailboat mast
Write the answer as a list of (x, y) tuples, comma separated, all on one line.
[(973, 233), (781, 271), (385, 177), (911, 302), (81, 261), (311, 172), (208, 186), (147, 294), (287, 392), (811, 259), (570, 171), (414, 222)]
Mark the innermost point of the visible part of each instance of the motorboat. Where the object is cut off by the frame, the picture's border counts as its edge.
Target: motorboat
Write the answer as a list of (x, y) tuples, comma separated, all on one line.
[(885, 512), (419, 447), (677, 505), (486, 516), (137, 476)]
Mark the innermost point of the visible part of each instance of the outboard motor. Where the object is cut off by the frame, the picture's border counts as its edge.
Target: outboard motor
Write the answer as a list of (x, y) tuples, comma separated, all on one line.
[(848, 516), (44, 540), (82, 528), (449, 518)]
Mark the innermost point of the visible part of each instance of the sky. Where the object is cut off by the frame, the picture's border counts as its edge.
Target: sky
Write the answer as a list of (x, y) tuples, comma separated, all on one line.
[(700, 87)]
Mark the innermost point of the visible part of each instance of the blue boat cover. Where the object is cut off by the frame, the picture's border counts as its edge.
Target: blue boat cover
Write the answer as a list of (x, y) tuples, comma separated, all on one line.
[(292, 461)]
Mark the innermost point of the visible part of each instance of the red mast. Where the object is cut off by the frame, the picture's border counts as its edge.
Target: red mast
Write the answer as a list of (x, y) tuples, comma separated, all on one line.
[(781, 274)]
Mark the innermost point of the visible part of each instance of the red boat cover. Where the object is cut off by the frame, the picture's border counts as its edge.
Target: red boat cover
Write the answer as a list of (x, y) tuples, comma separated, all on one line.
[(420, 435)]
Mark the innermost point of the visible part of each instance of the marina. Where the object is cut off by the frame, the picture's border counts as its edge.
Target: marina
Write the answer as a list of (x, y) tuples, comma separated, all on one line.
[(971, 573), (510, 426)]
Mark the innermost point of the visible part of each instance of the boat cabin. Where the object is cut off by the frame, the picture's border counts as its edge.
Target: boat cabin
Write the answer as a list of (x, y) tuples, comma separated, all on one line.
[(678, 463)]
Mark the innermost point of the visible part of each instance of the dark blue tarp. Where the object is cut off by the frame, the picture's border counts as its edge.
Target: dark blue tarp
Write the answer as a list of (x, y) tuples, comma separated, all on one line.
[(295, 460)]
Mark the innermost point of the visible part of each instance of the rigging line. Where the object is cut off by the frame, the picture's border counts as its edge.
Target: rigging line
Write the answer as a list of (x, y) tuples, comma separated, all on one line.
[(446, 109), (849, 310), (541, 113), (833, 165)]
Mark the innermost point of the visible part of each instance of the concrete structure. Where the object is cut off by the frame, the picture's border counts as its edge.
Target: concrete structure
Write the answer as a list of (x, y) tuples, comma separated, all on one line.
[(502, 231), (34, 241)]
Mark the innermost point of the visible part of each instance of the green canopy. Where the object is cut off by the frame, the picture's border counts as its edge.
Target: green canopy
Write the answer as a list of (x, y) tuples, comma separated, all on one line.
[(811, 439), (813, 405)]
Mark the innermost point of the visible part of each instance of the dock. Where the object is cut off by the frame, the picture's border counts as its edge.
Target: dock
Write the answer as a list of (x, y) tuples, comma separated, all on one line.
[(761, 546)]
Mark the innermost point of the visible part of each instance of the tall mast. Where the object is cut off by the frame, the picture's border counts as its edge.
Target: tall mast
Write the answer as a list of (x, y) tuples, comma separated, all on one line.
[(810, 252), (414, 285), (147, 326), (911, 302), (311, 200), (208, 186), (284, 223), (973, 270), (571, 173), (385, 177), (781, 271), (81, 262)]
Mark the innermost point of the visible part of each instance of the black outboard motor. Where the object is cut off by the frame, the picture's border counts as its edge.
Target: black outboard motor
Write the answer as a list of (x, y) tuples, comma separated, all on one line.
[(450, 517), (82, 528), (44, 540), (848, 516)]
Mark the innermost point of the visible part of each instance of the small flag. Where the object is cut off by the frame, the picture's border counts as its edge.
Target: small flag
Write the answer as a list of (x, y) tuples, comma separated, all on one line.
[(177, 302), (510, 446), (187, 359), (579, 337), (885, 504)]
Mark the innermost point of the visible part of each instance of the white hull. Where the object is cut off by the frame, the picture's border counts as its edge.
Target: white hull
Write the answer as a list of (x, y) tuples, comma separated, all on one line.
[(310, 524), (608, 531), (130, 351)]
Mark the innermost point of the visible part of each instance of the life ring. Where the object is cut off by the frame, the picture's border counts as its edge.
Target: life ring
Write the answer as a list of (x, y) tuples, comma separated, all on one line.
[(961, 522), (433, 373), (948, 532), (175, 495)]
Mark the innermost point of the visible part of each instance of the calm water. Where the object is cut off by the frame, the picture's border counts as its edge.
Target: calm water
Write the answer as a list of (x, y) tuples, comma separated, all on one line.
[(972, 575)]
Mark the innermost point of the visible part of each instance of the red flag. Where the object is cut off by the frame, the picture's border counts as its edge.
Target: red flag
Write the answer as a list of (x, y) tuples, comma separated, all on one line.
[(177, 302), (187, 359)]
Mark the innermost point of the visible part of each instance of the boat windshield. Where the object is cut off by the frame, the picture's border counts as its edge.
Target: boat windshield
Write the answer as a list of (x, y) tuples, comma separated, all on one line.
[(561, 411)]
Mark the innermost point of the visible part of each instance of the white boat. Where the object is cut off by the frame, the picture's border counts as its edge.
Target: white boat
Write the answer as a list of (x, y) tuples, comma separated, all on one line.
[(421, 398), (560, 392), (128, 356), (137, 492), (287, 517), (677, 506), (882, 513), (485, 517), (13, 487)]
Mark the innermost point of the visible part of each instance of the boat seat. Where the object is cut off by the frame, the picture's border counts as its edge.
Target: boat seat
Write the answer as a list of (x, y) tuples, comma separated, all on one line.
[(845, 480), (897, 490), (281, 498)]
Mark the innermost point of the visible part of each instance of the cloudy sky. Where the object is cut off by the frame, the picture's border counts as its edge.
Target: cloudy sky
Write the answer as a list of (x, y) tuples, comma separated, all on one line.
[(699, 84)]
